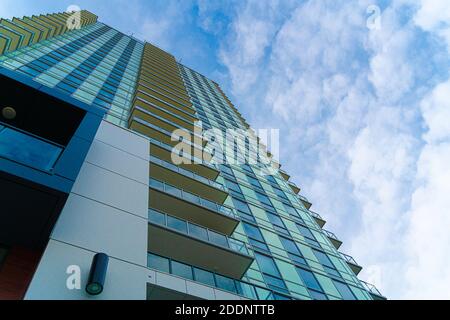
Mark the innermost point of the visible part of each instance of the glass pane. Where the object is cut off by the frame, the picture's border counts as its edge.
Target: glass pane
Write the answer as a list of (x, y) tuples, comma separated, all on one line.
[(274, 283), (225, 283), (28, 150), (205, 277), (246, 290), (198, 232), (158, 263), (267, 265), (218, 239), (344, 290), (317, 295), (191, 197), (157, 217), (208, 204), (264, 294), (156, 184), (173, 190), (309, 279), (182, 270), (177, 224)]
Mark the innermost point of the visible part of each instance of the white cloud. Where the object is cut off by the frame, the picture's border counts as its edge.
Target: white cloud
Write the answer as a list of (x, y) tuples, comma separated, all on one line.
[(350, 100)]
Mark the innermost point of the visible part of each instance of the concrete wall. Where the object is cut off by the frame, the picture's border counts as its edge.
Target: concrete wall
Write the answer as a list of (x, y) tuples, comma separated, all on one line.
[(105, 212)]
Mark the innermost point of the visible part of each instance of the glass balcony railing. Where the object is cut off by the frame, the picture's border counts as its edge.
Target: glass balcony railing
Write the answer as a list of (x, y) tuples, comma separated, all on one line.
[(190, 197), (212, 279), (170, 148), (196, 231), (28, 149), (187, 173)]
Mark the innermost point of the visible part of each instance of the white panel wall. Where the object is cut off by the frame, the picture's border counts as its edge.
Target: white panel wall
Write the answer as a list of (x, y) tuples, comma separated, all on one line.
[(106, 212)]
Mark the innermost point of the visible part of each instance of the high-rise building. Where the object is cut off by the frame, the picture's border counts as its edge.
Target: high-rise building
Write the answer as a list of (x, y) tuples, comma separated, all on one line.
[(104, 148)]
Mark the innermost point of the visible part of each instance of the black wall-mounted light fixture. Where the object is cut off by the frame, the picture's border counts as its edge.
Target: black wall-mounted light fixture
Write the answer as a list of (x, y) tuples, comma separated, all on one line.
[(97, 274)]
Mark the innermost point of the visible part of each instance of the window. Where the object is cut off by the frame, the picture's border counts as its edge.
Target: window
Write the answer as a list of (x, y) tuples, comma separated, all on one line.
[(233, 186), (281, 194), (254, 182), (225, 283), (344, 290), (326, 262), (241, 206), (158, 263), (182, 270), (311, 283), (278, 224), (309, 237), (270, 272), (205, 277), (293, 251), (255, 237), (263, 199)]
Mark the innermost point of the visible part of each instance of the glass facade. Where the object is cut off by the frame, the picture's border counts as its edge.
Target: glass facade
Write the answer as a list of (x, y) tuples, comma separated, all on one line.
[(145, 90)]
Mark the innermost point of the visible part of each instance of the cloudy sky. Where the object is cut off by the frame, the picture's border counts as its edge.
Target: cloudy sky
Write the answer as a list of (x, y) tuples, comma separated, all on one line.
[(361, 92)]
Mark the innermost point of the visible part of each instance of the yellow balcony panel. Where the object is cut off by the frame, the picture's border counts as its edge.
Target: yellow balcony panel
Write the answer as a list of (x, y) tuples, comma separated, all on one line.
[(153, 119), (183, 99), (51, 28), (333, 239), (284, 174), (14, 39), (305, 202), (147, 75), (169, 78), (45, 31), (160, 96), (194, 245), (58, 28), (356, 268), (188, 206), (320, 221), (36, 32), (3, 45), (161, 67), (58, 22), (294, 187), (154, 132), (164, 152), (169, 66), (26, 34), (185, 179), (164, 104), (161, 112), (142, 103)]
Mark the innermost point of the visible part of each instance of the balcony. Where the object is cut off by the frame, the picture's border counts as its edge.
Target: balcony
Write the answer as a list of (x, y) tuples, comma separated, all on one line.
[(196, 245), (333, 238), (294, 187), (284, 174), (187, 180), (373, 291), (186, 205), (207, 278), (199, 166), (356, 268), (320, 221), (305, 202)]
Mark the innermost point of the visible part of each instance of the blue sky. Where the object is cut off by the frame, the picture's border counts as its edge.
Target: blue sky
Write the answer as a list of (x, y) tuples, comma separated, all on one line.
[(361, 95)]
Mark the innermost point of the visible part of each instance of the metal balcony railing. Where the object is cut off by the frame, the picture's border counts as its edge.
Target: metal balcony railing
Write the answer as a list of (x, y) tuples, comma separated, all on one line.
[(331, 235), (349, 259), (371, 288)]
